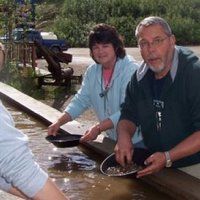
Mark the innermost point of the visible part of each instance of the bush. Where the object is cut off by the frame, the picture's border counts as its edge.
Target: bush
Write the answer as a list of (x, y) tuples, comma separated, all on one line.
[(72, 19)]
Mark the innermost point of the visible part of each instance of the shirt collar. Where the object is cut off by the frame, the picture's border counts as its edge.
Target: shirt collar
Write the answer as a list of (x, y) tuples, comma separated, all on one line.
[(144, 67)]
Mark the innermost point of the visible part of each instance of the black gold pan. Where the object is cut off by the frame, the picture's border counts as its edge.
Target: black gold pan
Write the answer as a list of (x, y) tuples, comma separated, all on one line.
[(110, 167), (64, 140)]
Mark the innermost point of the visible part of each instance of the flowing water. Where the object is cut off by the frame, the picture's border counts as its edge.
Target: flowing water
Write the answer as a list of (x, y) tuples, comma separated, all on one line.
[(76, 170)]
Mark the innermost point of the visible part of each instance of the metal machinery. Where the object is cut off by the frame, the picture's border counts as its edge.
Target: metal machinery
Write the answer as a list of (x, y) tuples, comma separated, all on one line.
[(59, 76)]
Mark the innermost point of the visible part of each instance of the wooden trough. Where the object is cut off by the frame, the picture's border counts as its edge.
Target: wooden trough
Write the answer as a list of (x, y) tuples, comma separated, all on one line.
[(175, 183)]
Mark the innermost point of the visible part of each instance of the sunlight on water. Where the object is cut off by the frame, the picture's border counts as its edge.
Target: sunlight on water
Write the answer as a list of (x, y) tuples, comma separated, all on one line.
[(75, 173)]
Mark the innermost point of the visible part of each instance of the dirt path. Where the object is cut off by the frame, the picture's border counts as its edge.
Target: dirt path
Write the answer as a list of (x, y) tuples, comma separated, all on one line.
[(81, 56)]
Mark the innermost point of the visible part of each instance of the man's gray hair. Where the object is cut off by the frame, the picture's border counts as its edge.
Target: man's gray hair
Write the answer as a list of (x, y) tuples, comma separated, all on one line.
[(153, 20)]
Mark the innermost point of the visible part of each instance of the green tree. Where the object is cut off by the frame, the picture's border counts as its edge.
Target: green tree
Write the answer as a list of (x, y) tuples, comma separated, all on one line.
[(72, 19)]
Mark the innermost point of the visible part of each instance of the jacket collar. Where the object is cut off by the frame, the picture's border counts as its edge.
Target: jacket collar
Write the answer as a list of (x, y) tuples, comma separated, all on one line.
[(144, 67)]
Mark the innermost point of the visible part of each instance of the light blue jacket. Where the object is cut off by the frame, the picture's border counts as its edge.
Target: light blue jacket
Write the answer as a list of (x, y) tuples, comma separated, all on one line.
[(17, 165), (109, 105)]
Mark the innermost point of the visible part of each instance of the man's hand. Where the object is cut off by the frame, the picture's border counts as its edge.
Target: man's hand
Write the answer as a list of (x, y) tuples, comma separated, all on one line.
[(124, 151), (154, 163)]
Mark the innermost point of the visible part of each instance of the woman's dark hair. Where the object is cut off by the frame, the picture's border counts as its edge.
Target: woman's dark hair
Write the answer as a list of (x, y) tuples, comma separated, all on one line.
[(104, 34)]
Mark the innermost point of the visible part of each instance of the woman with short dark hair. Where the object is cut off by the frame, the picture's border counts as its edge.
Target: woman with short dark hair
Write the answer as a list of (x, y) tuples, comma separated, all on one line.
[(104, 84)]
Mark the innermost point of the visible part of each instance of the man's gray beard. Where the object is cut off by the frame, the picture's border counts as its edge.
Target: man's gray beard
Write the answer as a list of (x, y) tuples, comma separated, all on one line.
[(157, 69)]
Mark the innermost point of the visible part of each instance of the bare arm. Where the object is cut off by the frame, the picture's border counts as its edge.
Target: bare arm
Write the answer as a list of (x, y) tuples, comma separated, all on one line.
[(2, 56), (54, 127), (16, 192), (124, 147), (185, 148), (94, 131), (50, 192)]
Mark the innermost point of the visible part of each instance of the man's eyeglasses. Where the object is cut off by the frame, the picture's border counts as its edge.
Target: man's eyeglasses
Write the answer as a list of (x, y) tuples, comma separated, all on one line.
[(143, 45)]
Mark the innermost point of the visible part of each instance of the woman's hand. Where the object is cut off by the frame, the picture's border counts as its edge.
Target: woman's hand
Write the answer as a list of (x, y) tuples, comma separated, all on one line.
[(91, 134), (53, 128)]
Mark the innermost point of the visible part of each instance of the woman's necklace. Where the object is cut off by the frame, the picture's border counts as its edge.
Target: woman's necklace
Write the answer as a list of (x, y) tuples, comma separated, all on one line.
[(106, 77)]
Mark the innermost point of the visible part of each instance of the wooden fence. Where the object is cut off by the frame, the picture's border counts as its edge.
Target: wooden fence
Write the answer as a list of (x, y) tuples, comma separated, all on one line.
[(22, 53)]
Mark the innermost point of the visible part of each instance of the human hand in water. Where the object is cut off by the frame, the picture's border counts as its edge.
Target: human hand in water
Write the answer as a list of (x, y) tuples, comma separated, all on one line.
[(53, 128)]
